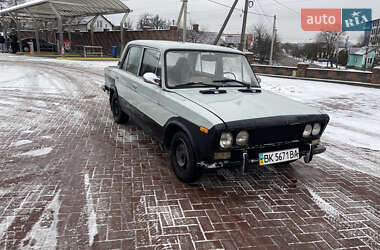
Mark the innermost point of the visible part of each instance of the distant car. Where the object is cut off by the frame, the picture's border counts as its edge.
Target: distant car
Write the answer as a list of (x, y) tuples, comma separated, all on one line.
[(205, 104), (323, 60), (45, 46)]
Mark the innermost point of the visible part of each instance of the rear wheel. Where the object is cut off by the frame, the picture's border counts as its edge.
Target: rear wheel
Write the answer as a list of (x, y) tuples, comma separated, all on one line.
[(118, 115), (26, 49), (182, 158)]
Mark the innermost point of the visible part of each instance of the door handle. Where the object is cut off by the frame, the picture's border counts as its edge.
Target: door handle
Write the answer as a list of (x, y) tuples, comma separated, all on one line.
[(134, 86)]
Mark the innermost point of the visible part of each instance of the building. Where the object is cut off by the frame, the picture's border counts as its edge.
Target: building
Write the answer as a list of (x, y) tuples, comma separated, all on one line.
[(361, 58), (84, 24), (233, 40), (228, 40), (373, 36)]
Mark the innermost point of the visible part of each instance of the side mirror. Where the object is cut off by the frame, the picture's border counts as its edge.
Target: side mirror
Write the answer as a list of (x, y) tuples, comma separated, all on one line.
[(151, 78)]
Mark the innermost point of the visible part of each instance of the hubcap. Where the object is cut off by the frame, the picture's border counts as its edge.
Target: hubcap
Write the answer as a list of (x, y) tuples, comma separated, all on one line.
[(182, 154)]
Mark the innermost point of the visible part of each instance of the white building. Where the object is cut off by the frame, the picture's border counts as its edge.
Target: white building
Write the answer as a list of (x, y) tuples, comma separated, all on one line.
[(84, 24)]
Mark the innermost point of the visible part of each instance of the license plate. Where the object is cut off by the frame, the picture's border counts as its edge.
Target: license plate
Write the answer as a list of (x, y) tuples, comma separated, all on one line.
[(279, 156)]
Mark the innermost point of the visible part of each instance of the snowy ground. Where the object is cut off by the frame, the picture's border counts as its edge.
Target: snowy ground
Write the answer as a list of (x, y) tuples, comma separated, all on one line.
[(353, 135)]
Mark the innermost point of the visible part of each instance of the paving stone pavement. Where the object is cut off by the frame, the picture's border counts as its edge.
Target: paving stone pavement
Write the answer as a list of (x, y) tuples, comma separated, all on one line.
[(70, 178)]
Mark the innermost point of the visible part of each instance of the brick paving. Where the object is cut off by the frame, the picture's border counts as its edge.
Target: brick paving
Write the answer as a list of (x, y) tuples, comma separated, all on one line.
[(93, 184)]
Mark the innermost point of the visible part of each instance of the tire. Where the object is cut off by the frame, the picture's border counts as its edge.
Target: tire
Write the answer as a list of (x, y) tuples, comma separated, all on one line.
[(182, 158), (118, 115), (26, 49)]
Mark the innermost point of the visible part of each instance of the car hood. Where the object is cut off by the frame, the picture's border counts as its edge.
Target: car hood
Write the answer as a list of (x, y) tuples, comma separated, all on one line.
[(236, 106)]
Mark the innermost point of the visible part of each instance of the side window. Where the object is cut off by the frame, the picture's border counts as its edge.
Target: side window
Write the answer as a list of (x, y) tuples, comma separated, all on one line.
[(132, 63), (151, 62)]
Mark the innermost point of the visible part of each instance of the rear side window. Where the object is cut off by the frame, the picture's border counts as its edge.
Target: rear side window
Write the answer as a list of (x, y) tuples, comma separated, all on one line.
[(150, 62), (133, 60)]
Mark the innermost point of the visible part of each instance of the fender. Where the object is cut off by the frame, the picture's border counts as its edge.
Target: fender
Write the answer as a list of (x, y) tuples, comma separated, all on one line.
[(179, 122), (204, 145)]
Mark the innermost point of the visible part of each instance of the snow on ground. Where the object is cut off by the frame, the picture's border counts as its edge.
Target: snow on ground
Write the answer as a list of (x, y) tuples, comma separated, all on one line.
[(353, 134), (44, 233), (84, 64), (91, 222), (37, 152), (20, 143)]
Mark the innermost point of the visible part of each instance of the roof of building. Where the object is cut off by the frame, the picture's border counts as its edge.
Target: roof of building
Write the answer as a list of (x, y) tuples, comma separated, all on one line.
[(67, 8), (169, 45), (360, 51)]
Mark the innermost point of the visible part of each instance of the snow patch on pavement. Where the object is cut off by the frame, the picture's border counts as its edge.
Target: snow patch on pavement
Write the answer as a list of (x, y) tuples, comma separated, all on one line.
[(322, 204), (91, 221), (38, 152), (5, 224), (44, 233), (20, 143), (27, 132)]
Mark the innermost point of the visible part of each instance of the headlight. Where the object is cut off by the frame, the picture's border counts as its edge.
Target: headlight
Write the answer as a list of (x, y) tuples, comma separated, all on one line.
[(316, 129), (308, 130), (226, 140), (242, 138)]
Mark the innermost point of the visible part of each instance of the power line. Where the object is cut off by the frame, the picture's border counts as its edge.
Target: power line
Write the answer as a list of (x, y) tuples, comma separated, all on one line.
[(283, 5), (224, 5), (262, 11)]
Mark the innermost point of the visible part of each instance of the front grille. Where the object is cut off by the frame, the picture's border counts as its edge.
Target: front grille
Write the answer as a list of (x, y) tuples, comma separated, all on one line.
[(268, 135)]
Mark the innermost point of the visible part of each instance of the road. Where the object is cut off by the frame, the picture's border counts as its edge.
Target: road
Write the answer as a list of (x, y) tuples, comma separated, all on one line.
[(70, 178)]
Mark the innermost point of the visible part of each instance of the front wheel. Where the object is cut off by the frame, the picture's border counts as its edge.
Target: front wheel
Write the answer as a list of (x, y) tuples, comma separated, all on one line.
[(118, 115), (182, 158)]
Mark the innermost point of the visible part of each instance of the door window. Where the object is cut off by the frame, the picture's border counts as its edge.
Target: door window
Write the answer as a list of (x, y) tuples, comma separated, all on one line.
[(132, 63), (151, 62)]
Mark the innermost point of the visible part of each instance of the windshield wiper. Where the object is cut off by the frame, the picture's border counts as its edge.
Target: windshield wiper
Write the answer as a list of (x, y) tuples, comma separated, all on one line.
[(232, 80), (189, 84)]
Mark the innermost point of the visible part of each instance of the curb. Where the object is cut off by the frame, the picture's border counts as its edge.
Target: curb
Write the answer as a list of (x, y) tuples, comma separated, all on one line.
[(104, 59), (357, 84)]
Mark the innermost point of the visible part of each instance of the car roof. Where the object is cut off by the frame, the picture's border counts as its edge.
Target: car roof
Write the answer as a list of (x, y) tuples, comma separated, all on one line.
[(169, 45)]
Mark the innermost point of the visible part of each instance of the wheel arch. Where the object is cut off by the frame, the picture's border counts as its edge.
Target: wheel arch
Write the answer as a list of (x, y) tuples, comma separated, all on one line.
[(171, 128)]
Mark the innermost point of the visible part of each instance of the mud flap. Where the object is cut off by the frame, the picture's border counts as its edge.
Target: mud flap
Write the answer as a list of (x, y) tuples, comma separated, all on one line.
[(244, 164), (309, 155)]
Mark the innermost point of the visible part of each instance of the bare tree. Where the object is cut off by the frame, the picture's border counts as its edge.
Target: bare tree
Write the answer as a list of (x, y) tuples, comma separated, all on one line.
[(152, 21), (128, 24), (330, 40), (262, 43)]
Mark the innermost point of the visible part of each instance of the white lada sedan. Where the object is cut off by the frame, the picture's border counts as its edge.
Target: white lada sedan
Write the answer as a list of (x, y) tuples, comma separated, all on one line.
[(205, 104)]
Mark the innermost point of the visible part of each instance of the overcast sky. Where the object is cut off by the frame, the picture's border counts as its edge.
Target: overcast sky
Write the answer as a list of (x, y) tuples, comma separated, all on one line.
[(210, 16)]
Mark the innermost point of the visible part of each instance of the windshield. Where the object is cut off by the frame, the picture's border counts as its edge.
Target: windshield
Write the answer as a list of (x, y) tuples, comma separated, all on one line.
[(187, 68)]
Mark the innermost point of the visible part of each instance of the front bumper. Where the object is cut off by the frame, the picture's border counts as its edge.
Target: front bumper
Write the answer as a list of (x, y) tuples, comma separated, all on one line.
[(246, 157)]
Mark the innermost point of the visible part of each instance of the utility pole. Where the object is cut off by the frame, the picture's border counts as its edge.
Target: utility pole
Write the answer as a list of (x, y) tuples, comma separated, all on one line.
[(183, 12), (184, 32), (242, 38), (225, 22), (273, 39), (180, 14)]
